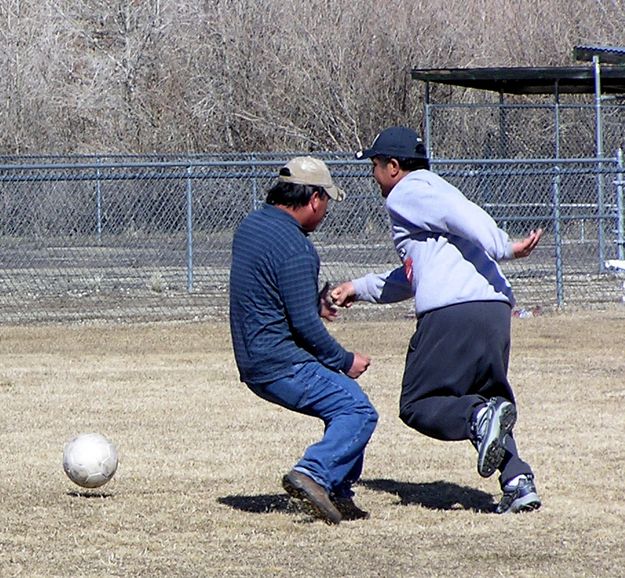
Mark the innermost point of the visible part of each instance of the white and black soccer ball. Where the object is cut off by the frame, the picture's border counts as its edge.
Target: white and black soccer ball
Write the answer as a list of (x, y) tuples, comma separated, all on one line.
[(90, 460)]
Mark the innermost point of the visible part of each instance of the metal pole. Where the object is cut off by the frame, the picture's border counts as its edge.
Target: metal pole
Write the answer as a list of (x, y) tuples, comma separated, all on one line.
[(189, 231), (557, 233), (98, 204), (255, 200), (503, 129), (427, 121), (599, 148), (556, 119), (619, 206), (557, 224), (598, 127)]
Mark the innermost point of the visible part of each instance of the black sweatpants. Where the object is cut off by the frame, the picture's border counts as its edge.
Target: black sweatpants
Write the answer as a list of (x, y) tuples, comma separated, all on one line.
[(457, 359)]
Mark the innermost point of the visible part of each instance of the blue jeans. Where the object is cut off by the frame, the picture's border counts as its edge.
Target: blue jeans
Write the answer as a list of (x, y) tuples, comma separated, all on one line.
[(336, 461)]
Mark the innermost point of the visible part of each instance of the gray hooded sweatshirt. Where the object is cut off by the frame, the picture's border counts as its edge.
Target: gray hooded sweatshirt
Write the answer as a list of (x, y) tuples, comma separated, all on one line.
[(448, 245)]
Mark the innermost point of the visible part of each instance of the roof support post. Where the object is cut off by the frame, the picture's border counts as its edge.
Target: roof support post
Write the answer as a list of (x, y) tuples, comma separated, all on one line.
[(427, 121), (556, 119), (556, 212), (503, 127)]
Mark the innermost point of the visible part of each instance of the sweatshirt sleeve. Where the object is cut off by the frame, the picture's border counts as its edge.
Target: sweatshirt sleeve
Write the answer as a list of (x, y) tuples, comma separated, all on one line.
[(297, 279), (389, 287)]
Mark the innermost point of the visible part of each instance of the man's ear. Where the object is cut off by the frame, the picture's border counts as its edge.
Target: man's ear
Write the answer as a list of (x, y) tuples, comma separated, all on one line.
[(394, 167), (315, 199)]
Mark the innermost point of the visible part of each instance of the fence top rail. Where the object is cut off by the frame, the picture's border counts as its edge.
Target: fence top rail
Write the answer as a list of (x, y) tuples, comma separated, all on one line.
[(525, 106), (526, 161), (189, 165)]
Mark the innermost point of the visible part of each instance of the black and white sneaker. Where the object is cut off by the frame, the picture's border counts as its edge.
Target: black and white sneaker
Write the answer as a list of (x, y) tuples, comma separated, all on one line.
[(490, 428), (520, 497)]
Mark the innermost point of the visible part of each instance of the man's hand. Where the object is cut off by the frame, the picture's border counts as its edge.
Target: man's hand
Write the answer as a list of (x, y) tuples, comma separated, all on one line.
[(327, 309), (526, 246), (359, 366), (343, 295)]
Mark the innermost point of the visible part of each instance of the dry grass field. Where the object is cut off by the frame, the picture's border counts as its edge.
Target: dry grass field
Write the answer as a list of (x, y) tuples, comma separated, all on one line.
[(198, 493)]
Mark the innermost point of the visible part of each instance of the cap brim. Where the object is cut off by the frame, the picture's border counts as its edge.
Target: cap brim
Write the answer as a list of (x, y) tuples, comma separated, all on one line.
[(365, 154), (335, 193)]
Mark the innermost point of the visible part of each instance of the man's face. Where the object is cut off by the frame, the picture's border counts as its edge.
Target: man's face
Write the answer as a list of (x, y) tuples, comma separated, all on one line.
[(384, 174), (318, 208)]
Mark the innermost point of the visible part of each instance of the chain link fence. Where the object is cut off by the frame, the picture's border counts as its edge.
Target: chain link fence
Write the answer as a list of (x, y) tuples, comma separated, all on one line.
[(522, 131), (148, 238)]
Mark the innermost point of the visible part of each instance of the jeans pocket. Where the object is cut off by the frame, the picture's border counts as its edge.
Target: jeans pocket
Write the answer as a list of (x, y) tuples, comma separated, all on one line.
[(289, 392)]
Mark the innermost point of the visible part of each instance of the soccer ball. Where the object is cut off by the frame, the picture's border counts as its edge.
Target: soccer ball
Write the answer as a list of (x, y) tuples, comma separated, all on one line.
[(89, 460)]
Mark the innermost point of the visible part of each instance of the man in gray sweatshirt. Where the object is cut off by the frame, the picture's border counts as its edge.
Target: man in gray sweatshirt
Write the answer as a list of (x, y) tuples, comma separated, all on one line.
[(455, 384)]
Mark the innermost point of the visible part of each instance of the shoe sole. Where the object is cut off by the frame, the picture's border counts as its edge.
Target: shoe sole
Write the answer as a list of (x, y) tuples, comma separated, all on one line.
[(329, 514), (492, 453)]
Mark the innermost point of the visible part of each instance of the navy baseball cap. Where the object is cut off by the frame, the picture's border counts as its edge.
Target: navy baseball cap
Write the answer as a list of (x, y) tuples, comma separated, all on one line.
[(397, 142)]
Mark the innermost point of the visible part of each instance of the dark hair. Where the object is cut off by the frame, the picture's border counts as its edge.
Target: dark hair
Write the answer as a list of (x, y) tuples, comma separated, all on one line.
[(411, 164), (293, 194)]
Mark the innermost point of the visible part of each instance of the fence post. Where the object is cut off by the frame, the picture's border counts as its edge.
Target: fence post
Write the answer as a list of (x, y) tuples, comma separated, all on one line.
[(189, 231), (619, 205), (255, 201), (98, 203), (557, 233), (599, 153)]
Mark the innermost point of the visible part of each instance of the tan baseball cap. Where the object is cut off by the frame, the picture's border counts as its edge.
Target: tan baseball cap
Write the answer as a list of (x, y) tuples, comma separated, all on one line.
[(310, 171)]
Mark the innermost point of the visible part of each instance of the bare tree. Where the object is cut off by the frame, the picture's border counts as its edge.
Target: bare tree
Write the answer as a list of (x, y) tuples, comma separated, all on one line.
[(229, 75)]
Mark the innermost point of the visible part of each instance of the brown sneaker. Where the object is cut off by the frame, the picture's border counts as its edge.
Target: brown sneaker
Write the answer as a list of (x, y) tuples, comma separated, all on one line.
[(348, 509), (301, 487)]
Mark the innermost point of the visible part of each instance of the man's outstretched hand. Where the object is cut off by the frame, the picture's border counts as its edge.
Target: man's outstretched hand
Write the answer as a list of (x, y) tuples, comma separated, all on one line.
[(526, 246)]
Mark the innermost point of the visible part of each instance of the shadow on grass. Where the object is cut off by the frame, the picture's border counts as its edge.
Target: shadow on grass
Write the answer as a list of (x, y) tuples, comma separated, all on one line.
[(433, 495), (262, 504), (438, 495), (89, 494)]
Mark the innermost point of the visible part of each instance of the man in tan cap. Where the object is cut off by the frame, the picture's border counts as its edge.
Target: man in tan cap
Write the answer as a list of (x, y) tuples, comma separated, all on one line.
[(282, 348)]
